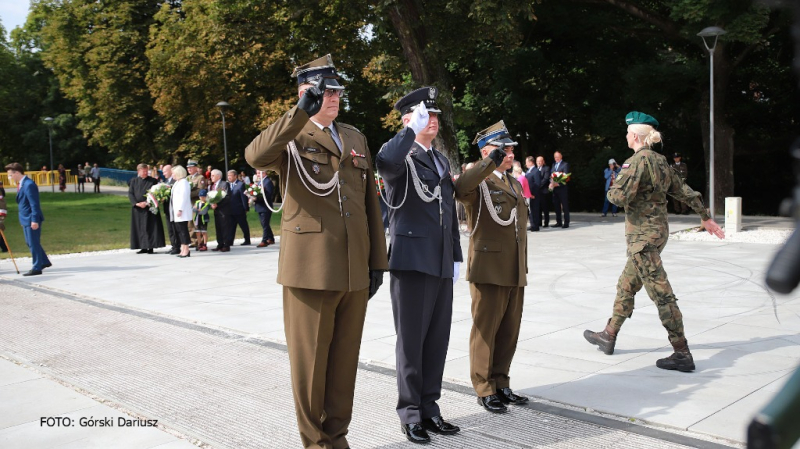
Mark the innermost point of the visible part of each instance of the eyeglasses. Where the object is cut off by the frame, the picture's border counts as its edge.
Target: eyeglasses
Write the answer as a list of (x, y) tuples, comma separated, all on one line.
[(331, 92)]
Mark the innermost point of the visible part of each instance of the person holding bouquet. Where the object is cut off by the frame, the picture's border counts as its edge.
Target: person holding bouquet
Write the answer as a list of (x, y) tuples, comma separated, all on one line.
[(180, 209), (222, 210), (558, 186), (641, 188), (147, 230), (200, 220)]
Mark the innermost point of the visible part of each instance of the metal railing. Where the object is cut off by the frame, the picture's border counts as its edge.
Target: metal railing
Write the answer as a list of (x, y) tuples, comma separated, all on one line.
[(41, 178)]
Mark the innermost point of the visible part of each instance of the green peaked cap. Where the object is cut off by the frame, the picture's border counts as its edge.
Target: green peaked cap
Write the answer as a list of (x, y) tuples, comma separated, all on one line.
[(635, 118)]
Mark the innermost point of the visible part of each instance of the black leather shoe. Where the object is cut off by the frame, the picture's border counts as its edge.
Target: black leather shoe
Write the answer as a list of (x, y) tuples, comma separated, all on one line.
[(415, 433), (565, 226), (218, 248), (437, 424), (557, 225), (47, 265), (247, 243), (142, 251), (32, 273), (509, 397), (174, 251), (492, 404)]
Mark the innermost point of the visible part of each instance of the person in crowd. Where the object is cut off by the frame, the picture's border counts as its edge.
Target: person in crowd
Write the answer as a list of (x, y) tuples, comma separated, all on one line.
[(201, 219), (96, 178), (207, 174), (519, 175), (264, 208), (87, 172), (198, 182), (172, 231), (81, 179), (222, 212), (611, 175), (560, 191), (334, 233), (3, 213), (641, 188), (682, 169), (180, 209), (497, 265), (147, 231), (62, 178), (30, 217), (239, 206), (424, 259), (543, 219), (244, 178)]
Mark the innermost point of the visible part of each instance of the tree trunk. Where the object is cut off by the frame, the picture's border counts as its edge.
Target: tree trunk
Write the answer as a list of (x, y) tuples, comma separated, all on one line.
[(426, 70), (723, 134)]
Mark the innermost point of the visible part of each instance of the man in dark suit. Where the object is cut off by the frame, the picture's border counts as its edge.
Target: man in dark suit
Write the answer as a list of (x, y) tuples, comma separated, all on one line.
[(424, 258), (544, 192), (239, 208), (222, 212), (171, 231), (30, 216), (560, 192), (264, 212), (536, 179)]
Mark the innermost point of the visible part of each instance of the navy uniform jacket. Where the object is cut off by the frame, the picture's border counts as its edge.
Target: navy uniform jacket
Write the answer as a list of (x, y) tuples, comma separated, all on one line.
[(418, 241)]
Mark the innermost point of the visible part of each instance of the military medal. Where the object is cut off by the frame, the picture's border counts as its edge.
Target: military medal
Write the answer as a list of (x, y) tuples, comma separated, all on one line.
[(315, 167), (499, 209)]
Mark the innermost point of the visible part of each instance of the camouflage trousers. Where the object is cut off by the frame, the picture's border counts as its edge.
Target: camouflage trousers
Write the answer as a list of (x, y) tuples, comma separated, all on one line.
[(645, 269)]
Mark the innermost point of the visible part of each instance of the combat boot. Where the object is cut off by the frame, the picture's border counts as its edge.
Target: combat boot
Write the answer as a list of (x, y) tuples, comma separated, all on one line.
[(605, 340), (680, 360)]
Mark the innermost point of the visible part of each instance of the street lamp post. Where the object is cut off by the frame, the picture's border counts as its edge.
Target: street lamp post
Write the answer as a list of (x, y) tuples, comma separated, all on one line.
[(222, 105), (49, 121), (710, 32)]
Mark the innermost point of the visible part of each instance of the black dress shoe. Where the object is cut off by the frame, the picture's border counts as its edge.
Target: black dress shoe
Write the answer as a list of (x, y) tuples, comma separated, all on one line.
[(218, 248), (492, 404), (565, 226), (557, 225), (47, 265), (415, 433), (174, 251), (247, 243), (32, 273), (509, 397), (142, 251), (437, 424)]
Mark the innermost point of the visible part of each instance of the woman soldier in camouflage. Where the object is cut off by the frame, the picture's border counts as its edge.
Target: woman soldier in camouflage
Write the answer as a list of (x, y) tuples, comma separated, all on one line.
[(642, 188)]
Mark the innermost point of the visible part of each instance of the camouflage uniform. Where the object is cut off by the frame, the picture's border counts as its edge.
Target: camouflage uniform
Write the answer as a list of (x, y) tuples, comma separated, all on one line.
[(642, 188)]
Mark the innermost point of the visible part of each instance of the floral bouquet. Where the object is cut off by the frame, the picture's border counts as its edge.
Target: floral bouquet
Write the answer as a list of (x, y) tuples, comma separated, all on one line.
[(161, 191), (558, 178), (379, 184), (254, 191), (152, 202), (215, 196)]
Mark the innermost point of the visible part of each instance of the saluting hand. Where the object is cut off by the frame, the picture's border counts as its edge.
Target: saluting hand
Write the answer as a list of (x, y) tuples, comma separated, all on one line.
[(713, 228), (419, 118), (311, 101), (497, 156)]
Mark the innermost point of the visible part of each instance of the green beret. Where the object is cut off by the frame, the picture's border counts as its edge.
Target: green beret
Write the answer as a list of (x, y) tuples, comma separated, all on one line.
[(635, 118)]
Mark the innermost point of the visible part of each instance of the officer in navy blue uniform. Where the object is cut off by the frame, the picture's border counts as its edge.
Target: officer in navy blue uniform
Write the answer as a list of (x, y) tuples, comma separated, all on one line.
[(424, 258)]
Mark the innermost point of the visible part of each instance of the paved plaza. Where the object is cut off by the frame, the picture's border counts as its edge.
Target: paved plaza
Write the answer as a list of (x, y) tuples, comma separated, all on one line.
[(198, 344)]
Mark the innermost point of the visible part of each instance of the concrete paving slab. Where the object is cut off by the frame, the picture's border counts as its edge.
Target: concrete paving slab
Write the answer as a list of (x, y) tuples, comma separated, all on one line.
[(30, 400), (11, 373)]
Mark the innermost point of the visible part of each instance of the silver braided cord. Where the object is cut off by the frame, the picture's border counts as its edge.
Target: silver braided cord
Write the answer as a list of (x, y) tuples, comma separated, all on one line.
[(305, 178), (421, 188), (487, 198)]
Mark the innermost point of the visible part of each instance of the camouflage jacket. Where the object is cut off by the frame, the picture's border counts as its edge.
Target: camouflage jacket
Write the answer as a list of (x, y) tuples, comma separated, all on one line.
[(642, 188)]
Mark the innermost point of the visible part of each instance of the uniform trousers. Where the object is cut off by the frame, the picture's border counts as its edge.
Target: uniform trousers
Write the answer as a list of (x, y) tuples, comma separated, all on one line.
[(645, 269), (33, 239), (496, 318), (422, 306), (323, 338)]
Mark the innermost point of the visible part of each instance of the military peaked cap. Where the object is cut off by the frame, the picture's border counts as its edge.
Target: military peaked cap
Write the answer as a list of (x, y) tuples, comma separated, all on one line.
[(315, 70), (412, 100), (496, 134)]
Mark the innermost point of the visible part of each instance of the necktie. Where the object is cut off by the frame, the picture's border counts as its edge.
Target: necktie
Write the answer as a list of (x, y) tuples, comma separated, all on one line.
[(335, 140), (214, 186), (433, 160), (508, 182)]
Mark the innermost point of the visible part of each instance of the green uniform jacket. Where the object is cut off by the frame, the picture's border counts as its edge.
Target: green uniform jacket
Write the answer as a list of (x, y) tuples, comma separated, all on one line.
[(682, 169), (495, 255), (321, 247), (641, 188)]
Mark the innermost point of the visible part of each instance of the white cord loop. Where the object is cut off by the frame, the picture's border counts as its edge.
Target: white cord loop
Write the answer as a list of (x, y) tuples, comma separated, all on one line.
[(422, 189), (487, 198)]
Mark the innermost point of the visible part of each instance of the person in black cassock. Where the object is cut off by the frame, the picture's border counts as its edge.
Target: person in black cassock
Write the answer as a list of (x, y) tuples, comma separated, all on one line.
[(147, 231)]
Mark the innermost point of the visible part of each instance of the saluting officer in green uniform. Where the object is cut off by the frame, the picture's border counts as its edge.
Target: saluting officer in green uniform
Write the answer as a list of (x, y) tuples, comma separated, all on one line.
[(642, 188)]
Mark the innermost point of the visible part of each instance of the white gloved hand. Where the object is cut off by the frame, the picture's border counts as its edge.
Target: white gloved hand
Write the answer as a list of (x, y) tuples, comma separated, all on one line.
[(419, 118), (456, 269)]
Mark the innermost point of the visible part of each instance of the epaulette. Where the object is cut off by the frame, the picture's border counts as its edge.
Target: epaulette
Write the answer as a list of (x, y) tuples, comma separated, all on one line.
[(345, 125)]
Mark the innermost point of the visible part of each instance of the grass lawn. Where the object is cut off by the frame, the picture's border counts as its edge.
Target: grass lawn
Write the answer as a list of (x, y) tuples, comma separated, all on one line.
[(78, 222)]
